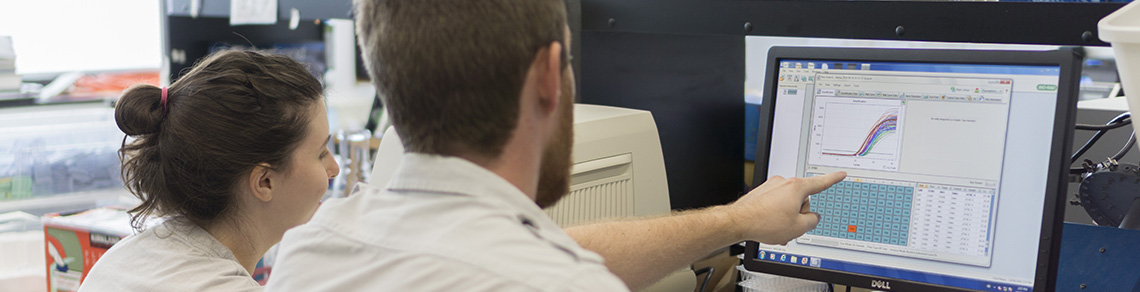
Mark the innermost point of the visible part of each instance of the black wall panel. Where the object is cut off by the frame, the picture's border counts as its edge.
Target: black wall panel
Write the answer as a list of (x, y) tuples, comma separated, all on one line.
[(694, 86)]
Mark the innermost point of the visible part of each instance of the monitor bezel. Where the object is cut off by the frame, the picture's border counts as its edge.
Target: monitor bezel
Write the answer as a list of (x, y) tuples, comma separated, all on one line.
[(1053, 214)]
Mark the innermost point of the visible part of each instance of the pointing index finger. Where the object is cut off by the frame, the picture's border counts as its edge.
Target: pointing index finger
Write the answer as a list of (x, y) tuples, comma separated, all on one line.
[(816, 184)]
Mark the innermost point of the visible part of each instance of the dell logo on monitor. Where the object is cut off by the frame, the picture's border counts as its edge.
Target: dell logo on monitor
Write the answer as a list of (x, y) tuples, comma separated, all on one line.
[(880, 284)]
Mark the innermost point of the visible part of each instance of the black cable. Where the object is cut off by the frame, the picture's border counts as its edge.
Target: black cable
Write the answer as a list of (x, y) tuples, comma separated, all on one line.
[(1108, 126), (1084, 148), (1088, 144), (1127, 146), (830, 287), (849, 288), (708, 277)]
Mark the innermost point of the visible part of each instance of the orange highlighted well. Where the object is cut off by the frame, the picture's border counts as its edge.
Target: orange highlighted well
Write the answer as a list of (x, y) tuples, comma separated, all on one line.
[(852, 228)]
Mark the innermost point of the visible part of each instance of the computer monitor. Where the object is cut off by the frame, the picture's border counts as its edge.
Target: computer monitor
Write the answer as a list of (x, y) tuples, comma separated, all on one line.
[(956, 165)]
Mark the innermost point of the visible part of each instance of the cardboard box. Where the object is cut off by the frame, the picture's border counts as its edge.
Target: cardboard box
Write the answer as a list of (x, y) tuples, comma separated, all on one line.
[(74, 242)]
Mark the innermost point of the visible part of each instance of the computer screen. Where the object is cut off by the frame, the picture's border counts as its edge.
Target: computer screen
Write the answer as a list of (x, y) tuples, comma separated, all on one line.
[(954, 160)]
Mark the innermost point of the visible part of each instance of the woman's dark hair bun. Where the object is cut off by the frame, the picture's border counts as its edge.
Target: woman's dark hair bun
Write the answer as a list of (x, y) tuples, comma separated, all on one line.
[(234, 110), (139, 110)]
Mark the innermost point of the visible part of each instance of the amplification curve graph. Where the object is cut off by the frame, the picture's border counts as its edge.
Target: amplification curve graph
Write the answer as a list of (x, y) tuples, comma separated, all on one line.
[(886, 125), (856, 133)]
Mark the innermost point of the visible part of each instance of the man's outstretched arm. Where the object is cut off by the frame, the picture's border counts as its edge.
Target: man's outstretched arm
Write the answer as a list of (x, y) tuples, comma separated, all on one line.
[(642, 251)]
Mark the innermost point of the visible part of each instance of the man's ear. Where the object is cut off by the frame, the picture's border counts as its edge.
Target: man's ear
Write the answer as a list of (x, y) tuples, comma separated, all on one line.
[(551, 77), (261, 182)]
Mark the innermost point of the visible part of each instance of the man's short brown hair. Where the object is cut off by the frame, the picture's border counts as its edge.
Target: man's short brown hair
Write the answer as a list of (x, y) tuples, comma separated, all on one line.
[(450, 71)]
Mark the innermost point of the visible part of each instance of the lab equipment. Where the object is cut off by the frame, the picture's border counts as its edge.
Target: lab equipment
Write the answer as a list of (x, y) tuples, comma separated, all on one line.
[(618, 169), (353, 149), (1122, 30), (1107, 191)]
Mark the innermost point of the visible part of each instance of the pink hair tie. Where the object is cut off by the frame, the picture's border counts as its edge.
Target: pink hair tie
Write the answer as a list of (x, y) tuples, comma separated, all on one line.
[(164, 98)]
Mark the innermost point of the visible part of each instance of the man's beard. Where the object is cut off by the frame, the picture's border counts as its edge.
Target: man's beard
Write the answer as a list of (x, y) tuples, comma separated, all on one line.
[(554, 174)]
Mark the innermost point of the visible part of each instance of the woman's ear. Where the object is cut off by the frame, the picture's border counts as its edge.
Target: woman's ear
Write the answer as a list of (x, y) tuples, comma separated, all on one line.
[(261, 182)]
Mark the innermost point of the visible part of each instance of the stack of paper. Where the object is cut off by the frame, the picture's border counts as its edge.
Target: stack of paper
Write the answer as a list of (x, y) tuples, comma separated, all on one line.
[(9, 81)]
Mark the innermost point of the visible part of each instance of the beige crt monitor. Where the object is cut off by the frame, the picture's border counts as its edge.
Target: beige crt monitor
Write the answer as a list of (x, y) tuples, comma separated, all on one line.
[(618, 168)]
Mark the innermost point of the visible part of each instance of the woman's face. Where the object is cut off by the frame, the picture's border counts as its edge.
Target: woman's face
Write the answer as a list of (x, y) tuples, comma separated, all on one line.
[(307, 177)]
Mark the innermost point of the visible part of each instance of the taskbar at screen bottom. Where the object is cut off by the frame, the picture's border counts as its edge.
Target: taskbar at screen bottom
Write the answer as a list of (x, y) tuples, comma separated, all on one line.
[(885, 272)]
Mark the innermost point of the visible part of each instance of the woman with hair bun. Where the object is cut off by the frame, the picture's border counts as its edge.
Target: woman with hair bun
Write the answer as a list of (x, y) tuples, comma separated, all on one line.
[(230, 156)]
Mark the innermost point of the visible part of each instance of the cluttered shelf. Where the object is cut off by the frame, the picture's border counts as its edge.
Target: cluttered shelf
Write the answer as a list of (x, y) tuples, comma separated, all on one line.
[(59, 139), (72, 87), (60, 157), (45, 89)]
